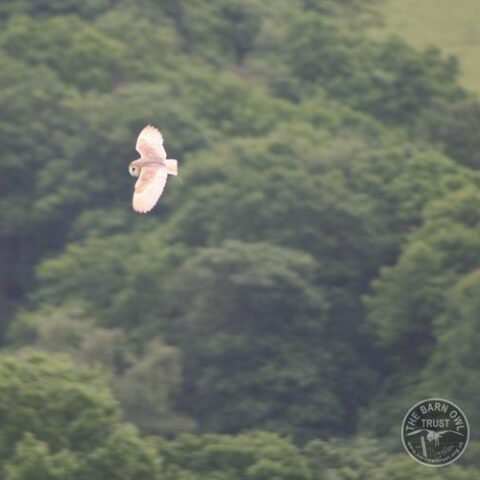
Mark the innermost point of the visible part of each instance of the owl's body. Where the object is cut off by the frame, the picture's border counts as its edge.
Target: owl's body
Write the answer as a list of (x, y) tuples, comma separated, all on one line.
[(152, 169)]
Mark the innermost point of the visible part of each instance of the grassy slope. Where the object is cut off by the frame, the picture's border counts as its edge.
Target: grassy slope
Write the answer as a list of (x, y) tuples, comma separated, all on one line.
[(452, 25)]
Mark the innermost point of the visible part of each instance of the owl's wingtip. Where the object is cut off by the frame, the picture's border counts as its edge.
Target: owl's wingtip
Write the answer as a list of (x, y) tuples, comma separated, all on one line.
[(140, 206)]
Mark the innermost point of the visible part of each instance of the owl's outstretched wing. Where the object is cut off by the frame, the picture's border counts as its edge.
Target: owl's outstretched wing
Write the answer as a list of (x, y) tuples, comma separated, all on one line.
[(150, 144), (417, 431), (149, 187), (443, 432)]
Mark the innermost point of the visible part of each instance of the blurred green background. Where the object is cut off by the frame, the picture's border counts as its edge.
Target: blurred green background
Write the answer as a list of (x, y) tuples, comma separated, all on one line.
[(312, 273)]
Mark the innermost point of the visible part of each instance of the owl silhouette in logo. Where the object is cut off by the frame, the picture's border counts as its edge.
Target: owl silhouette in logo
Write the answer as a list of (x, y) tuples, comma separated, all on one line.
[(433, 436), (152, 169)]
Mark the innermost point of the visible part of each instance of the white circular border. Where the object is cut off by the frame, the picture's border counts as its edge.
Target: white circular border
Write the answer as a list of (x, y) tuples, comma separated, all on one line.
[(467, 441)]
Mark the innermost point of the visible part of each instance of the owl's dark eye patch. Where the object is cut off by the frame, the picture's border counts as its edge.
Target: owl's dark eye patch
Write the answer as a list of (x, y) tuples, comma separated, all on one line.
[(134, 170)]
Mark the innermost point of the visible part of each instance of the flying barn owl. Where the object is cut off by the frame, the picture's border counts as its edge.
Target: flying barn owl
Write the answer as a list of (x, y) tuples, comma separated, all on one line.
[(152, 169)]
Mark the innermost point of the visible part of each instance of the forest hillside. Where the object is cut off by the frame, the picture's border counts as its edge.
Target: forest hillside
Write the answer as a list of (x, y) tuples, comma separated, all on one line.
[(312, 273)]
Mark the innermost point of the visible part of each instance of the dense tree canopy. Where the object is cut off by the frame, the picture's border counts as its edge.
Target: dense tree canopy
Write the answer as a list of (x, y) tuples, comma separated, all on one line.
[(312, 272)]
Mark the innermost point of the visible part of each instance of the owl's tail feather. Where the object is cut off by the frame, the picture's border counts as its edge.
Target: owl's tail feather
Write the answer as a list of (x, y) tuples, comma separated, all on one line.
[(172, 168)]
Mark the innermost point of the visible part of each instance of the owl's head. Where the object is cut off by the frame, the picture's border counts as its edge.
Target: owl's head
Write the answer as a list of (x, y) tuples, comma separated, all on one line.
[(134, 170)]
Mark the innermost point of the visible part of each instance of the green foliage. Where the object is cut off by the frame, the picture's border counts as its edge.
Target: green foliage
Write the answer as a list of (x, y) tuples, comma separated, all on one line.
[(113, 275), (387, 80), (239, 23), (60, 404), (414, 299), (34, 160), (145, 382), (257, 456), (231, 351), (124, 455), (319, 49), (46, 8), (409, 295), (365, 459), (455, 126), (61, 421), (312, 271), (452, 365), (33, 460), (147, 388), (77, 52)]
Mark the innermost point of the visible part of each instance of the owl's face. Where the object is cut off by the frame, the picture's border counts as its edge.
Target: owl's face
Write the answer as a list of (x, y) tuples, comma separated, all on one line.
[(134, 170)]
